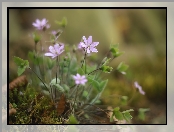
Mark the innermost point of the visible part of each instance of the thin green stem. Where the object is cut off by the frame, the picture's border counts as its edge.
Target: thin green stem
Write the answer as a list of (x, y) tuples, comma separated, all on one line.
[(76, 94), (73, 89), (94, 71), (51, 91), (57, 59), (85, 64), (56, 68), (68, 72), (42, 45), (62, 71), (73, 86), (84, 60), (35, 47), (39, 78), (59, 69)]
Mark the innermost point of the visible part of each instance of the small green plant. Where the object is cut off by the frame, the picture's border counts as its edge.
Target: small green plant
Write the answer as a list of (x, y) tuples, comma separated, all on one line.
[(65, 82)]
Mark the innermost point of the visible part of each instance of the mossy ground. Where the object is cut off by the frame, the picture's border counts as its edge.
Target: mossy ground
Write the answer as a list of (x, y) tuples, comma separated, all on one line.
[(32, 107)]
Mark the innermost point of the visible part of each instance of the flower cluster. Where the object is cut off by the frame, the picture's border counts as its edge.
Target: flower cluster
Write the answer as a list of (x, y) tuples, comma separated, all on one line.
[(87, 44)]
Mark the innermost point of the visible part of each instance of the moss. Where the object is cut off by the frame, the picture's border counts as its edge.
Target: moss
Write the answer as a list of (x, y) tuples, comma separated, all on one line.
[(32, 108)]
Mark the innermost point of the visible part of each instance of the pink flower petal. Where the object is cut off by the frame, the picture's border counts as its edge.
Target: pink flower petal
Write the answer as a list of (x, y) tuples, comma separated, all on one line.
[(43, 22), (83, 45), (84, 39), (92, 49), (38, 21), (52, 50), (83, 77), (89, 40), (95, 44), (49, 54), (88, 44), (56, 47), (80, 79), (61, 47), (78, 75), (35, 24), (77, 82)]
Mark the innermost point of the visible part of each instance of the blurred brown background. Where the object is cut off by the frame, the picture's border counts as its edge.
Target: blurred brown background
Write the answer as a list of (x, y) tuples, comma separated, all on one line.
[(141, 33)]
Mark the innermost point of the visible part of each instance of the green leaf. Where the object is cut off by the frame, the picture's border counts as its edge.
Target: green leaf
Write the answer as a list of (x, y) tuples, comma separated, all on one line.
[(45, 92), (20, 70), (62, 23), (115, 52), (107, 61), (18, 60), (106, 69), (104, 60), (54, 81), (81, 71), (85, 94), (73, 66), (118, 115), (50, 62), (94, 83), (43, 86), (35, 59), (91, 68), (124, 100), (127, 111), (58, 87), (116, 108), (118, 54), (114, 46), (22, 64), (141, 113), (127, 116), (122, 67), (72, 120), (103, 84), (97, 102), (66, 88)]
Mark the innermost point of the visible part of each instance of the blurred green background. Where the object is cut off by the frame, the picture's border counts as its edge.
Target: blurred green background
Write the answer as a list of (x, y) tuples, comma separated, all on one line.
[(141, 33)]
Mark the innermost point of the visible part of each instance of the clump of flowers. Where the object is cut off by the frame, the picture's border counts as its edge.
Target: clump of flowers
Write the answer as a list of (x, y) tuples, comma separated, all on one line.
[(73, 85)]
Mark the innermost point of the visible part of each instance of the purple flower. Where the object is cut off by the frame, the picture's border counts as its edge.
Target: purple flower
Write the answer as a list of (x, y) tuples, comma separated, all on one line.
[(139, 88), (41, 24), (80, 79), (54, 32), (55, 50), (88, 44), (79, 46)]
